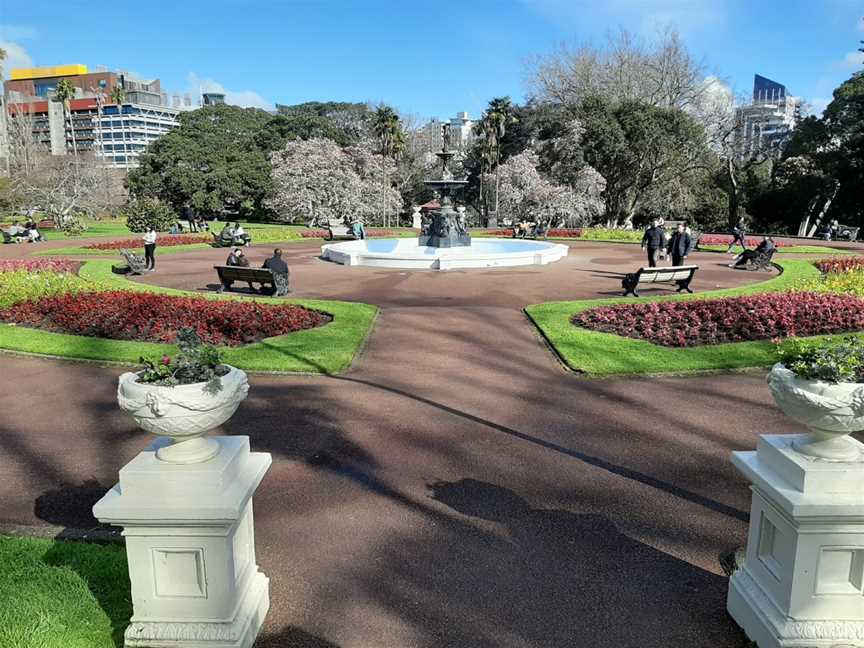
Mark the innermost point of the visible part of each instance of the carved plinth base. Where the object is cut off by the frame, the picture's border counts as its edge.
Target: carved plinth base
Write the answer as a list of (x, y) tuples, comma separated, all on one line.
[(802, 582), (190, 544)]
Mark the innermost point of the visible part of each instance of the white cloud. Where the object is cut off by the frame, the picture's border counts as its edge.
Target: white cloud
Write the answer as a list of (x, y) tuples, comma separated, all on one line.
[(244, 98), (16, 56), (818, 105), (853, 59)]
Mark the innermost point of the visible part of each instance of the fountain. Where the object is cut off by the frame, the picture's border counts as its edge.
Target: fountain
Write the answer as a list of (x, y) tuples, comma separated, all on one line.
[(444, 242), (445, 227)]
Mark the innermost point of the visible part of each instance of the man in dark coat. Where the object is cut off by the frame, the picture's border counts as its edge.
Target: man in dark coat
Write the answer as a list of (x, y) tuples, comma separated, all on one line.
[(653, 240), (680, 245), (280, 271)]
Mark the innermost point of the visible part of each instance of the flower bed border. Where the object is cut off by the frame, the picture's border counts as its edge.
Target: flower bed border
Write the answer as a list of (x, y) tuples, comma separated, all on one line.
[(607, 354), (327, 349)]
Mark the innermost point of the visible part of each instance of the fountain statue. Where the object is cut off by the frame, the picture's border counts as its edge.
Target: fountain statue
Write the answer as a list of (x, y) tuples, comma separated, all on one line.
[(445, 227)]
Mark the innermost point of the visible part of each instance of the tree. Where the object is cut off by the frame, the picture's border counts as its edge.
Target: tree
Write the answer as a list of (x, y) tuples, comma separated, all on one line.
[(118, 96), (210, 163), (391, 143), (525, 193), (65, 93), (317, 180), (493, 127), (662, 74), (639, 150)]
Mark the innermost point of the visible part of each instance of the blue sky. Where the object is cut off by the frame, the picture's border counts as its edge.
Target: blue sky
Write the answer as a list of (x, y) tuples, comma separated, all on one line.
[(425, 58)]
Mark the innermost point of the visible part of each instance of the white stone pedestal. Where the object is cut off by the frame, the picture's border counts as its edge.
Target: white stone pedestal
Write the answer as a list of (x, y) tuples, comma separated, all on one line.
[(190, 542), (416, 219), (802, 583)]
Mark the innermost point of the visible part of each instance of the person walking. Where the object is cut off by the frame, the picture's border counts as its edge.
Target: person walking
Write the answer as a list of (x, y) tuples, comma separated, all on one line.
[(739, 233), (653, 241), (150, 248), (680, 245)]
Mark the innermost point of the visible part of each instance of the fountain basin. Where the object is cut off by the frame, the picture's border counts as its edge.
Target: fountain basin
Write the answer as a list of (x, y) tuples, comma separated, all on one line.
[(408, 253)]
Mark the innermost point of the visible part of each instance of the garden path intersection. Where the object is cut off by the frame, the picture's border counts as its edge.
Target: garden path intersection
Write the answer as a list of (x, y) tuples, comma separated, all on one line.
[(455, 487)]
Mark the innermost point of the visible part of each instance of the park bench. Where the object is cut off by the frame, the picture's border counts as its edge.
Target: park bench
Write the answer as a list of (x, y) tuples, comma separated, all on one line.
[(680, 275), (844, 233), (135, 263), (8, 238), (336, 227), (262, 276)]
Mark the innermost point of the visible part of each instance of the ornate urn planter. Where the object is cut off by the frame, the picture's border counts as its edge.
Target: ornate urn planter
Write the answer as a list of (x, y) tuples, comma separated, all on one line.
[(830, 410), (183, 413)]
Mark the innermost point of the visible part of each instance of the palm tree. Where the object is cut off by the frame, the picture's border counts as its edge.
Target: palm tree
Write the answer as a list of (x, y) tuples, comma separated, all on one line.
[(391, 141), (64, 93), (118, 96), (5, 115), (499, 115)]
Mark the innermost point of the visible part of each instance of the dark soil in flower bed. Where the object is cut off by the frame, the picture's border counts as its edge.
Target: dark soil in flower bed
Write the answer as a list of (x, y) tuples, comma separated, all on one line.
[(145, 317), (731, 319), (163, 241)]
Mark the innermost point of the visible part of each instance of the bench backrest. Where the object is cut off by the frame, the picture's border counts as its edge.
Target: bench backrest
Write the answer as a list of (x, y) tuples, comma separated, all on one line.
[(673, 273), (241, 273)]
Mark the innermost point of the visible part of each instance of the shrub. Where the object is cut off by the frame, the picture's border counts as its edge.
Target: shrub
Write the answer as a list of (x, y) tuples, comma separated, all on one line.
[(24, 285), (194, 363), (162, 241), (149, 317), (726, 239), (39, 265), (731, 319), (830, 360), (840, 264), (143, 213)]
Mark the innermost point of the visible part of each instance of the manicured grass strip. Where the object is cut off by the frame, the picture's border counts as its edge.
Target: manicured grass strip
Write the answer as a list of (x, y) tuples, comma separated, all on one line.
[(327, 349), (82, 251), (58, 594), (793, 249), (604, 354)]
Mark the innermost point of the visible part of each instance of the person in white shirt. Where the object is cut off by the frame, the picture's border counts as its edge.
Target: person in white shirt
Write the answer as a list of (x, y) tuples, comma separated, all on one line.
[(150, 248)]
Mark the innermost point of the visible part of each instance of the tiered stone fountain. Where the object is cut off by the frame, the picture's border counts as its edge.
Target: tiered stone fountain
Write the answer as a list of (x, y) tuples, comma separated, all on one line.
[(445, 227)]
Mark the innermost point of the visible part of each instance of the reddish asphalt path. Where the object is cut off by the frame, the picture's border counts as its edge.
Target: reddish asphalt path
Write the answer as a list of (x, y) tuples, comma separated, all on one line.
[(456, 487)]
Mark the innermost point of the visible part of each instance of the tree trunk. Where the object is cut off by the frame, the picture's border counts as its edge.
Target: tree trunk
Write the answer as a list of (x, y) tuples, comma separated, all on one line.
[(497, 175), (824, 209), (74, 144), (805, 222), (734, 193)]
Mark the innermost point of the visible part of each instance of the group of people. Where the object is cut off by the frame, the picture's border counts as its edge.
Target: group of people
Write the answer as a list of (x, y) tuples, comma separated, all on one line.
[(275, 264), (659, 243), (234, 235), (28, 232), (526, 228)]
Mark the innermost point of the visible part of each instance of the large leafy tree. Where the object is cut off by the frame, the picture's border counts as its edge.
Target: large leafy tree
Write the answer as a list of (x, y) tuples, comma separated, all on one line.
[(391, 144), (499, 116), (210, 163), (640, 150)]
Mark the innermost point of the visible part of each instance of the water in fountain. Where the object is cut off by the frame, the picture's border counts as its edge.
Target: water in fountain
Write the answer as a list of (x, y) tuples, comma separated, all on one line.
[(445, 227)]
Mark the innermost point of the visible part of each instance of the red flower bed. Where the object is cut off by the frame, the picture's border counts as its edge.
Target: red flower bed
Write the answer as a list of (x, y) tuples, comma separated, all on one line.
[(731, 319), (147, 317), (840, 264), (163, 241), (39, 265), (726, 239), (320, 233)]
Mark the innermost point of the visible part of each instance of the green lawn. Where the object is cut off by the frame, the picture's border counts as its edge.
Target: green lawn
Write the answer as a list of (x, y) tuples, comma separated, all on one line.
[(327, 349), (604, 354), (58, 594)]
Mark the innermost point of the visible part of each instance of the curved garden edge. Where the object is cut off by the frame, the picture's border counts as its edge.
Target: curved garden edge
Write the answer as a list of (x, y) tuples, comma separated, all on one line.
[(327, 349), (607, 354)]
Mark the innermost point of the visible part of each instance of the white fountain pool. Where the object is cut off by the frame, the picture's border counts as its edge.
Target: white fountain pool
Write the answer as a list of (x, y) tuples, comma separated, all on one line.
[(407, 253)]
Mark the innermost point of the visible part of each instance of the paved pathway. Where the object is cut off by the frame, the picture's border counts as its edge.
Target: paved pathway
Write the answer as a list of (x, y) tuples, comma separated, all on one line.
[(456, 487)]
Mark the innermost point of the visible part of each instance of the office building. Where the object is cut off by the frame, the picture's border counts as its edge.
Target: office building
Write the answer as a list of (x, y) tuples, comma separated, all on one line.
[(768, 121), (116, 134), (429, 138)]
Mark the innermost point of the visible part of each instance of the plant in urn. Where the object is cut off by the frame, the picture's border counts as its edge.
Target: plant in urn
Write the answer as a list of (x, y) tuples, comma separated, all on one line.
[(184, 397), (822, 386)]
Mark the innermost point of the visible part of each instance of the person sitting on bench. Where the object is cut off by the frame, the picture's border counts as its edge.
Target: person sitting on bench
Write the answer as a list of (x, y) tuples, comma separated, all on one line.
[(240, 236), (239, 260), (16, 231), (279, 268), (748, 256), (226, 236), (33, 235)]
